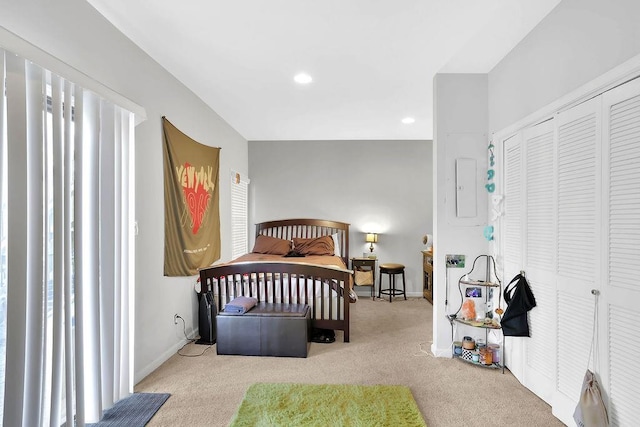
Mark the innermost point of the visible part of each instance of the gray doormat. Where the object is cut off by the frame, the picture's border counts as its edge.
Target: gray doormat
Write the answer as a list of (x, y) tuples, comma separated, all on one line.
[(133, 411)]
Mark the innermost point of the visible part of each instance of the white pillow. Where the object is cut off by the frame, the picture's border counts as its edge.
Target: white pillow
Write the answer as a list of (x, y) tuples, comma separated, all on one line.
[(336, 244)]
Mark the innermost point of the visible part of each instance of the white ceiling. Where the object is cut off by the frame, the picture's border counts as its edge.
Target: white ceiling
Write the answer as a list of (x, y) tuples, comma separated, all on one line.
[(372, 61)]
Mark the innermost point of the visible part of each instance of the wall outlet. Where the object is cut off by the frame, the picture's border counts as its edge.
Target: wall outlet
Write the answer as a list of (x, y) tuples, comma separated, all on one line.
[(455, 261)]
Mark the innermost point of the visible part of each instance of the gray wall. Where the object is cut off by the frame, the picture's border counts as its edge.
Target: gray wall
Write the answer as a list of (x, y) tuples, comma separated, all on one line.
[(383, 186), (577, 42), (460, 123), (75, 33)]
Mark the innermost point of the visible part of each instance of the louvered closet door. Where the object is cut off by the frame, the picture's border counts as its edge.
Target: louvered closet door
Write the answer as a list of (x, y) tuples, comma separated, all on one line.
[(539, 259), (513, 198), (511, 230), (578, 243), (621, 252)]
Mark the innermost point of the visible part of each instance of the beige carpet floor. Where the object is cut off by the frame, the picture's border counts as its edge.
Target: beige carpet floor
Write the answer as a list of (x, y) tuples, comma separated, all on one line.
[(390, 344)]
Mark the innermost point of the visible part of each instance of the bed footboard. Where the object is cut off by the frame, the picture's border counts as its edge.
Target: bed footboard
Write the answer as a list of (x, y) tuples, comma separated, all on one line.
[(324, 289)]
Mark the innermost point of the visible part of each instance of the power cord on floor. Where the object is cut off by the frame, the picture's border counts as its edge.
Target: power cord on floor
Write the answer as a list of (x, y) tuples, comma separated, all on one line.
[(192, 355), (189, 341), (421, 351)]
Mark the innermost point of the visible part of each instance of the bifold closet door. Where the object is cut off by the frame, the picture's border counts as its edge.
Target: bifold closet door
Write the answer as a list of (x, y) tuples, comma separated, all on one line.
[(539, 260), (621, 252), (578, 245), (571, 220), (528, 241), (510, 231)]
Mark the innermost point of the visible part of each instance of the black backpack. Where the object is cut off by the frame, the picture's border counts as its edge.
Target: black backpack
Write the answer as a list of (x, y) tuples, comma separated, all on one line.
[(520, 300)]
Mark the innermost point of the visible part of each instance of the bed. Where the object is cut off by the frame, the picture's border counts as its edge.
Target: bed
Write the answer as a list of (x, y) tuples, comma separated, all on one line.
[(299, 261)]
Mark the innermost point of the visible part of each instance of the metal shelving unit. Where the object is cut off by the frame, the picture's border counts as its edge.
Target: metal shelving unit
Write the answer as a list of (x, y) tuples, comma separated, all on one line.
[(488, 283)]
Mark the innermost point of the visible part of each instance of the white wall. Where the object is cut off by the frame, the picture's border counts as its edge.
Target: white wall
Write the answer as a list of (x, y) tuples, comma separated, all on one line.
[(75, 33), (460, 124), (383, 186), (578, 41)]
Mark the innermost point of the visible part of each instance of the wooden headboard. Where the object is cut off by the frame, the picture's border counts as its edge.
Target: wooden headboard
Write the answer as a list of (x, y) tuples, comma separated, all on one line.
[(306, 229)]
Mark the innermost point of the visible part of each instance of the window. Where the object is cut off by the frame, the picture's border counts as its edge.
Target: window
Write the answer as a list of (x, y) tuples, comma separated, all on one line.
[(239, 214)]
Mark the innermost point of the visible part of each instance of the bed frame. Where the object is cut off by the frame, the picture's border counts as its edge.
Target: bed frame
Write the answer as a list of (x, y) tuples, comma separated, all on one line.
[(306, 229), (308, 276)]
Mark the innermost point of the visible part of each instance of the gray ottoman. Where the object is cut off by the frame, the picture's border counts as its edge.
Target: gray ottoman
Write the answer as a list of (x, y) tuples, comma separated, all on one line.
[(265, 330)]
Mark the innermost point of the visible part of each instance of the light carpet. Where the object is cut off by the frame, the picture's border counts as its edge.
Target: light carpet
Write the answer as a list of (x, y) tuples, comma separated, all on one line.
[(281, 404), (390, 344)]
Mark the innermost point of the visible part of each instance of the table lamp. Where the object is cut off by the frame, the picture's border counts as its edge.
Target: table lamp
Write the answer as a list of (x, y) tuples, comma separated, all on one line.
[(371, 238)]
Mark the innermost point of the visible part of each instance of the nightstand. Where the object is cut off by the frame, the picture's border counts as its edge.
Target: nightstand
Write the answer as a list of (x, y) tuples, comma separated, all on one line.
[(427, 274), (364, 271)]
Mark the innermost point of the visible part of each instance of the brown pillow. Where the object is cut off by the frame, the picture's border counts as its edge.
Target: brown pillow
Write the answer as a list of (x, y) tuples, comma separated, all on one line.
[(271, 245), (316, 246)]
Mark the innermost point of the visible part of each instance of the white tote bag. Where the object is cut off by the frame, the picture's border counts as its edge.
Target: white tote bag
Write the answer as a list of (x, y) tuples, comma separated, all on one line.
[(590, 411)]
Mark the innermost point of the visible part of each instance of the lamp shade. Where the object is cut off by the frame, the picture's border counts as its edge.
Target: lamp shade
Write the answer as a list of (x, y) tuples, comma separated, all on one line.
[(371, 238)]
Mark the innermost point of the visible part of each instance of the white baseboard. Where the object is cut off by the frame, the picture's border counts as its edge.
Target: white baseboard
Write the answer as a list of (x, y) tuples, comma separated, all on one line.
[(163, 357), (441, 352), (415, 295), (367, 293)]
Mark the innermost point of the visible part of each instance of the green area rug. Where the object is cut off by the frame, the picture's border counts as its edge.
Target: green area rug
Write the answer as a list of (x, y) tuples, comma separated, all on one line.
[(327, 405)]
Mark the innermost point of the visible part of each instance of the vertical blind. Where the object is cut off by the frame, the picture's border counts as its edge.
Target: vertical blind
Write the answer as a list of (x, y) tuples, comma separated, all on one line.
[(66, 168)]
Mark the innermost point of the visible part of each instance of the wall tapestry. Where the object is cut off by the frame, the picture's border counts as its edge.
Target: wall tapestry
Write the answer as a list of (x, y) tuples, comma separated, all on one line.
[(191, 203)]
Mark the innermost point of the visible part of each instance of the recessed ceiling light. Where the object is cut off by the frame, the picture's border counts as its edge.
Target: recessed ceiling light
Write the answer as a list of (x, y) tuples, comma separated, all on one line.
[(408, 120), (303, 78)]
